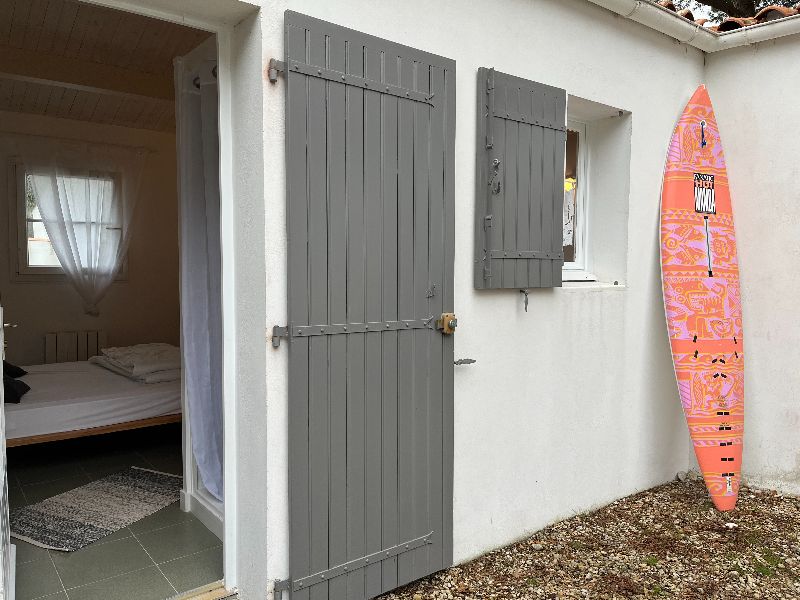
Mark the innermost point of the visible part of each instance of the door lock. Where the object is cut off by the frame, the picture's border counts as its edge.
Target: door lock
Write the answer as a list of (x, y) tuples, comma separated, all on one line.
[(447, 323)]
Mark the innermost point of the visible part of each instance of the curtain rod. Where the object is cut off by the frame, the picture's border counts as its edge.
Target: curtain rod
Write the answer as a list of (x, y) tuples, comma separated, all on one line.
[(144, 149), (196, 80)]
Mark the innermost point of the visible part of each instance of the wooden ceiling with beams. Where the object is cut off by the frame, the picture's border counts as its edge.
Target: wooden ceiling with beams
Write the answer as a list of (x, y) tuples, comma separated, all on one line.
[(74, 60)]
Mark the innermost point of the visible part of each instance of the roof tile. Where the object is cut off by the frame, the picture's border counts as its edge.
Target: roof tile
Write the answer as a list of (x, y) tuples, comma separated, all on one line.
[(765, 15)]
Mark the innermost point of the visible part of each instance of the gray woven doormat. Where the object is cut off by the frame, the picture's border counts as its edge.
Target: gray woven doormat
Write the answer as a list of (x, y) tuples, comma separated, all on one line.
[(77, 518)]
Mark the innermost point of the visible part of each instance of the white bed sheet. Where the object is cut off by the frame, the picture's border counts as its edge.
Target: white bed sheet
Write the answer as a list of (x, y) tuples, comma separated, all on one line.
[(79, 395)]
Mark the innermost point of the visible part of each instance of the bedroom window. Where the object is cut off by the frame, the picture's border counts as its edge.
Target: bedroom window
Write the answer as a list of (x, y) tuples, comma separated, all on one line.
[(575, 221), (91, 212)]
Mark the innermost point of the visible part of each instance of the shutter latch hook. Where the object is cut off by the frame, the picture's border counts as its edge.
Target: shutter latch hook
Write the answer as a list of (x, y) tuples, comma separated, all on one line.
[(526, 298)]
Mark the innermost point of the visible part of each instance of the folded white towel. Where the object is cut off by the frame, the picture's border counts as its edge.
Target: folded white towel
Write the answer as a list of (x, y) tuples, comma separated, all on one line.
[(142, 359), (153, 377)]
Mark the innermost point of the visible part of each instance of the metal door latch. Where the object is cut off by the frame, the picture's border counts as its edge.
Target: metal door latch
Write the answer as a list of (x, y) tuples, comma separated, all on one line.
[(464, 361), (526, 298), (494, 180), (447, 323)]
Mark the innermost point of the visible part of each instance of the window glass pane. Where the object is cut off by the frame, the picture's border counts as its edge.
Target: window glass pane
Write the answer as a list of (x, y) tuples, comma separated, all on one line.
[(39, 249), (570, 195)]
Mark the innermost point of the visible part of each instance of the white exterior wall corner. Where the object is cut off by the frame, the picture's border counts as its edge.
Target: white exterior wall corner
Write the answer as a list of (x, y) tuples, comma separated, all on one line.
[(572, 404), (759, 135), (246, 543)]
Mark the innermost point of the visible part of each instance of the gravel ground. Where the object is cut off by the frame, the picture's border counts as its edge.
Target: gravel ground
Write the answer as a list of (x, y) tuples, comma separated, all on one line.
[(667, 542)]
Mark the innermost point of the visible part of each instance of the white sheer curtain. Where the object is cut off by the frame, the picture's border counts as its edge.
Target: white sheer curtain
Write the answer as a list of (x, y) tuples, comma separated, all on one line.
[(86, 196), (201, 304)]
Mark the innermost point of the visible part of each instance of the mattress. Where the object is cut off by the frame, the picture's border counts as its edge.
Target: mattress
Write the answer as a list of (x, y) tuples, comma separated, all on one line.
[(79, 395)]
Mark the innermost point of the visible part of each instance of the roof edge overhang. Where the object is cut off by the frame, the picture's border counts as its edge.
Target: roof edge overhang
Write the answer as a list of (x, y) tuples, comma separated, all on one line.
[(669, 23)]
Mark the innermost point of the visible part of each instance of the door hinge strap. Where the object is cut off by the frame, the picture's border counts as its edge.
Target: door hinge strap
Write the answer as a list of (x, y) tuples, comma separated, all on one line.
[(372, 326), (359, 563), (525, 254), (520, 118), (275, 67), (294, 66)]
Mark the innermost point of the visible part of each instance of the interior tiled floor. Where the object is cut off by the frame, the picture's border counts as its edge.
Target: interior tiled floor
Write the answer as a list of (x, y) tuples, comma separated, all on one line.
[(153, 559)]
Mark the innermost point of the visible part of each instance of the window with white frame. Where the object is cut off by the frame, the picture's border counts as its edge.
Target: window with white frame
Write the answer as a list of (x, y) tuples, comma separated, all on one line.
[(575, 213), (84, 191)]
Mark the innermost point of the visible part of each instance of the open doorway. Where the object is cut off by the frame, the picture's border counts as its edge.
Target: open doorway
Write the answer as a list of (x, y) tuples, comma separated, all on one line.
[(93, 105)]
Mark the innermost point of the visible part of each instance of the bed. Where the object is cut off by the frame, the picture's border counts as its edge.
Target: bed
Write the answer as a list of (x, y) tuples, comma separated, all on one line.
[(75, 399)]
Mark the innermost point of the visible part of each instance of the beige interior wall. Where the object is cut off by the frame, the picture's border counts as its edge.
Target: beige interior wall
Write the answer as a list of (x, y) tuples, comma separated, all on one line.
[(143, 308)]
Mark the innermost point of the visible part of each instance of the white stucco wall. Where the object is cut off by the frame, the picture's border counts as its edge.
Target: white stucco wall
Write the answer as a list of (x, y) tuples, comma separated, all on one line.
[(574, 403), (754, 90)]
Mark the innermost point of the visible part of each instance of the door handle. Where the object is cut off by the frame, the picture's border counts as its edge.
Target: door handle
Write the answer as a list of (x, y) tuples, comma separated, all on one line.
[(10, 325)]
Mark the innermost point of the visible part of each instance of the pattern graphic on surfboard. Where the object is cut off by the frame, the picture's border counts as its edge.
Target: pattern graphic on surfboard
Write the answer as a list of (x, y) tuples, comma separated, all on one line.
[(700, 275)]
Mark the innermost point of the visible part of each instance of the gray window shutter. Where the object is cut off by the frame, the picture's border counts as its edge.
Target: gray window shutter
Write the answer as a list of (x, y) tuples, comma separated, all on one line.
[(520, 182)]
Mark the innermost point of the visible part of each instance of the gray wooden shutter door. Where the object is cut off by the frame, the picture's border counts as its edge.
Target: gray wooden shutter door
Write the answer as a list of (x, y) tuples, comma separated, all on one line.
[(521, 144), (370, 175)]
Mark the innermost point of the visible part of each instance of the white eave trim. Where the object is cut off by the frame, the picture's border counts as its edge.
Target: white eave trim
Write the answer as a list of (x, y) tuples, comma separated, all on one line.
[(669, 23)]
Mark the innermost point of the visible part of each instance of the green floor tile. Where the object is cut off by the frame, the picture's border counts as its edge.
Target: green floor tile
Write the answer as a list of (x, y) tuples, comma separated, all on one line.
[(96, 562), (177, 540), (15, 496), (171, 515), (113, 463), (28, 552), (37, 492), (192, 571), (145, 584), (40, 472), (36, 579)]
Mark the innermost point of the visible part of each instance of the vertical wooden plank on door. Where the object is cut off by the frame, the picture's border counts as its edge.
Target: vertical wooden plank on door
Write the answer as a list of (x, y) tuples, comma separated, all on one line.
[(405, 309), (421, 337), (524, 188), (537, 139), (337, 312), (356, 537), (548, 148), (448, 302), (481, 176), (297, 217), (560, 118), (389, 373), (509, 215), (436, 253), (497, 192), (373, 221), (318, 311)]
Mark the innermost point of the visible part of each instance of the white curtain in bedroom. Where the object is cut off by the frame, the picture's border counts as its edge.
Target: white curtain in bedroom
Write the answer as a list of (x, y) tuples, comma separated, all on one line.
[(201, 305), (86, 195)]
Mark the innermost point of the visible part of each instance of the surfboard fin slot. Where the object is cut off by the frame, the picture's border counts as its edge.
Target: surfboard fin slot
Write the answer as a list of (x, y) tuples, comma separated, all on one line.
[(723, 413), (726, 443), (727, 459)]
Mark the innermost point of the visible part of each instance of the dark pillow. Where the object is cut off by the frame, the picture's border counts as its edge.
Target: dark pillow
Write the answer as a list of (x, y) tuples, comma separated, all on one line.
[(14, 389), (14, 371)]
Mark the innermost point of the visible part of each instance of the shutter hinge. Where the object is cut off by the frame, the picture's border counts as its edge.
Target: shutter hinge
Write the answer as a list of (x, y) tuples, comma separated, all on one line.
[(487, 222), (277, 333), (275, 66), (280, 586)]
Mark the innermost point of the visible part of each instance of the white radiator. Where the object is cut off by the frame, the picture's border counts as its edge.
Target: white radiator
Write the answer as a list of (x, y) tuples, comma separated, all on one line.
[(70, 346)]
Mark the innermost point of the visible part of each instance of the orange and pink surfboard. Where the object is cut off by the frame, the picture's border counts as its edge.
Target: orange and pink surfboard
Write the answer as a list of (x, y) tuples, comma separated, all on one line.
[(700, 274)]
